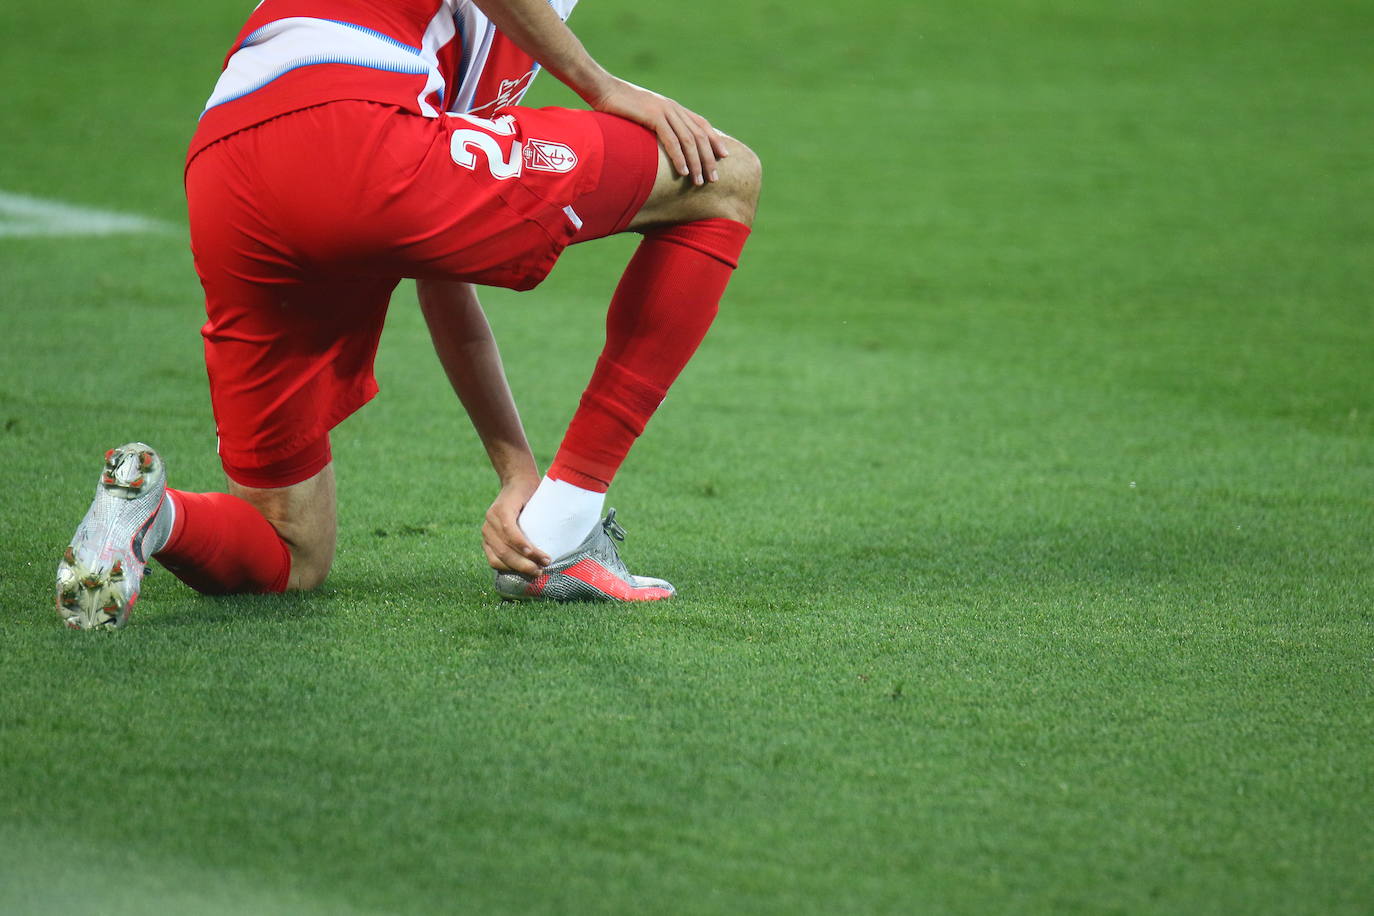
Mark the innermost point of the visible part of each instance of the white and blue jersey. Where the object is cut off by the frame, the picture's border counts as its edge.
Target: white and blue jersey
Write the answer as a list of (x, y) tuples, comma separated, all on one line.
[(423, 56)]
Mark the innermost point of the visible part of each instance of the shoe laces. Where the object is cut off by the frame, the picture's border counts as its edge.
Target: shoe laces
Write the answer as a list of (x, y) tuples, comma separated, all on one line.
[(612, 527)]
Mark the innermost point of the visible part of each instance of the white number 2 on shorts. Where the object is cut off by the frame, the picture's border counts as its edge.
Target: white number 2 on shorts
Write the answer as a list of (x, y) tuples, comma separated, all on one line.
[(465, 143)]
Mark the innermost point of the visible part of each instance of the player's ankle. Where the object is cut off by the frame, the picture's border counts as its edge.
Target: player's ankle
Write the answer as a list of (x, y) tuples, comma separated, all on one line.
[(560, 514)]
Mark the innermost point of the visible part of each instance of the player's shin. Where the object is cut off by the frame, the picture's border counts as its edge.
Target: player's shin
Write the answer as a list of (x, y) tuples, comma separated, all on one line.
[(666, 301)]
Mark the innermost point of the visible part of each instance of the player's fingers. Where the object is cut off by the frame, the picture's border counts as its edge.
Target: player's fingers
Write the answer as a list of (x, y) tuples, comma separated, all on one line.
[(493, 538), (716, 138), (707, 152), (691, 148), (507, 521), (719, 144), (502, 555), (519, 543), (492, 550), (504, 519), (704, 134), (523, 565), (669, 141)]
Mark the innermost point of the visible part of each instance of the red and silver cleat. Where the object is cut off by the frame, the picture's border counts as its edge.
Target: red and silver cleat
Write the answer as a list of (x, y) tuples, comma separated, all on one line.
[(100, 572), (593, 571)]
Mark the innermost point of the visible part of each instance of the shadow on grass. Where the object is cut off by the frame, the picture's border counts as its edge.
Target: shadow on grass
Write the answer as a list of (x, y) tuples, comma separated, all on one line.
[(197, 610)]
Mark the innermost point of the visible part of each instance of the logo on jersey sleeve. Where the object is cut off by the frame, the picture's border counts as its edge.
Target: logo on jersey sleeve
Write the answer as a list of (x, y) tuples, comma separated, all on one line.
[(509, 93), (548, 156)]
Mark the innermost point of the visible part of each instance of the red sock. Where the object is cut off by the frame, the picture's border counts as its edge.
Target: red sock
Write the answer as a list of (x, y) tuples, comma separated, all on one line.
[(666, 301), (221, 545)]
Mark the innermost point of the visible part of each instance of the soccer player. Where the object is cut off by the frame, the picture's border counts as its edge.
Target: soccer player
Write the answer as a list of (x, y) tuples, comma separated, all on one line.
[(349, 144)]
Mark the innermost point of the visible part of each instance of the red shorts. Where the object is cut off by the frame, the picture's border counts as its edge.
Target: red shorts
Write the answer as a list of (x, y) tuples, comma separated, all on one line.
[(302, 226)]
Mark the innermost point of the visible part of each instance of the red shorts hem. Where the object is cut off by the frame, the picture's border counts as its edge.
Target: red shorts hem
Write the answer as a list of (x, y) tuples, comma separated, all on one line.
[(284, 472), (628, 169)]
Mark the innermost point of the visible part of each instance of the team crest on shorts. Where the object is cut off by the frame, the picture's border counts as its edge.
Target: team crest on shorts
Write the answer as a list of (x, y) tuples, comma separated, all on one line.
[(548, 156)]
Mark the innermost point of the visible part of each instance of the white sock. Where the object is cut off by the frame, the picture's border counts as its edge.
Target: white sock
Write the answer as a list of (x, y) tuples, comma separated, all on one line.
[(161, 529), (559, 516)]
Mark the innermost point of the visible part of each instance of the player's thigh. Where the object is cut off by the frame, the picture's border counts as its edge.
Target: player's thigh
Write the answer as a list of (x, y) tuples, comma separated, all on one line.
[(289, 338), (306, 517), (286, 364), (674, 199), (496, 198)]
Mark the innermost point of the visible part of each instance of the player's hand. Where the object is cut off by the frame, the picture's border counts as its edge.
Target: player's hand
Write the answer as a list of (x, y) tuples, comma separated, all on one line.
[(692, 144), (505, 545)]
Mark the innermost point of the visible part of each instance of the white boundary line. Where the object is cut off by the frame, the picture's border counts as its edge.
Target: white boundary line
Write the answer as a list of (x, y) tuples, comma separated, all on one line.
[(22, 216)]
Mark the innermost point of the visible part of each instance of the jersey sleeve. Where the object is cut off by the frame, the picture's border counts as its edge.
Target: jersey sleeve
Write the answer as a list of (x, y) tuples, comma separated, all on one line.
[(493, 72)]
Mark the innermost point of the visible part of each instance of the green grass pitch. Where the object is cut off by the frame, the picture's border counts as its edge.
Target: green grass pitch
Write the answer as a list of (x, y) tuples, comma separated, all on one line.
[(1021, 501)]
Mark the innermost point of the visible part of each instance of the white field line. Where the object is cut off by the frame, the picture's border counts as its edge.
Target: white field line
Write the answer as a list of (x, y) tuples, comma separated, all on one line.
[(23, 216)]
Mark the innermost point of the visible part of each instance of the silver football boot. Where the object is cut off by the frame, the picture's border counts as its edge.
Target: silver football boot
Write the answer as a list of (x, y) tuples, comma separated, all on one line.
[(592, 571), (101, 570)]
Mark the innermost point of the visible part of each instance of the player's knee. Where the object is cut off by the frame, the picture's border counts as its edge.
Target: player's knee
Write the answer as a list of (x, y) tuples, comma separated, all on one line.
[(735, 195), (303, 517), (312, 553), (308, 571), (741, 178)]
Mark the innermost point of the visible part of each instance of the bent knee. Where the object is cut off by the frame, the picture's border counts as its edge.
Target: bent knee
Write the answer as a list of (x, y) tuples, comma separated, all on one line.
[(748, 166), (303, 516), (675, 200), (307, 573), (741, 178)]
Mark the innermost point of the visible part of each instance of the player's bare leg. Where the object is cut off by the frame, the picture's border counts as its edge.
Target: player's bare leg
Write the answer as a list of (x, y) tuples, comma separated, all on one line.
[(305, 517), (733, 196), (662, 309)]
